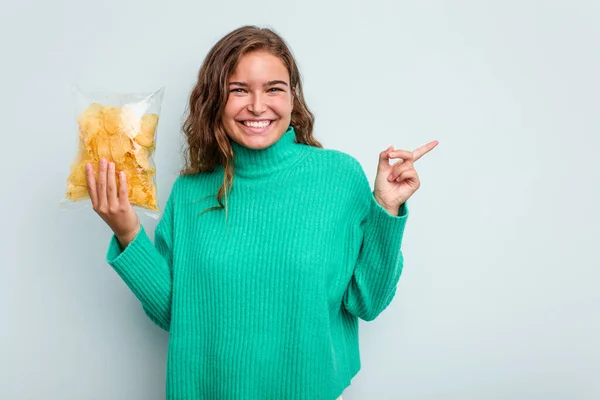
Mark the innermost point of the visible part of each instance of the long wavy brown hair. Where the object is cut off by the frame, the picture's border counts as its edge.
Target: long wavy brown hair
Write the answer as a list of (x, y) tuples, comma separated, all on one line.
[(207, 142)]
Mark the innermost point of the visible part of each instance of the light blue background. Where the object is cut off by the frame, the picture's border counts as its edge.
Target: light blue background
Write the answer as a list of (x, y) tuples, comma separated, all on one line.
[(499, 297)]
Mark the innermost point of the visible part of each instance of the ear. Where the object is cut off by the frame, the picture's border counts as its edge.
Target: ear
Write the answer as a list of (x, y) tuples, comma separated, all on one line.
[(293, 96)]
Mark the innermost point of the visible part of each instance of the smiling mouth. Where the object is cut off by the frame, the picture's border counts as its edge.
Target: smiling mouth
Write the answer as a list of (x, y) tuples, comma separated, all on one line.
[(257, 124)]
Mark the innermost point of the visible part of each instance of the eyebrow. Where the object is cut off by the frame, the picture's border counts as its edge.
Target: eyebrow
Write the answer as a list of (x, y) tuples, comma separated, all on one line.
[(270, 83)]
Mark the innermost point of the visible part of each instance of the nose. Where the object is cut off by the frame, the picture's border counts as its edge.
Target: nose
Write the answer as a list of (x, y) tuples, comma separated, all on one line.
[(256, 105)]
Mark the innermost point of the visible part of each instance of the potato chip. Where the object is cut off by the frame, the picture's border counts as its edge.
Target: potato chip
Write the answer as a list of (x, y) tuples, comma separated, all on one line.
[(90, 122), (101, 147), (77, 192), (142, 156), (78, 173), (146, 136), (131, 121), (123, 135), (120, 145), (152, 199), (111, 117)]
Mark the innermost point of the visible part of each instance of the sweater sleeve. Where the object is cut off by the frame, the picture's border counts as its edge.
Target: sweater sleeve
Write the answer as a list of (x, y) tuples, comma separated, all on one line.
[(379, 263), (147, 268)]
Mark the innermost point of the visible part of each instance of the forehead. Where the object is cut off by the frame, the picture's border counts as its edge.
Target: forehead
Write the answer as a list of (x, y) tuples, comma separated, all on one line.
[(260, 67)]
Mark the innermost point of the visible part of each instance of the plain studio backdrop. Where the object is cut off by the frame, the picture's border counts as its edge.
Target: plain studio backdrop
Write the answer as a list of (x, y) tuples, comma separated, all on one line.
[(499, 295)]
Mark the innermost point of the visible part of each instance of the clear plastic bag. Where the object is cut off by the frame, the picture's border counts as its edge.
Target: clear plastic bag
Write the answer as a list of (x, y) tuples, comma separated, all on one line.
[(120, 127)]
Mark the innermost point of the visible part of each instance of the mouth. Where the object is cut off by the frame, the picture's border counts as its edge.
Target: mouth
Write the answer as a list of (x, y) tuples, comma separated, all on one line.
[(256, 126)]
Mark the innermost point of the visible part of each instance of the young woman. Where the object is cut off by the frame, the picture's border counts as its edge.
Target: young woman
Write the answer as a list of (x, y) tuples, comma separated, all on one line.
[(270, 247)]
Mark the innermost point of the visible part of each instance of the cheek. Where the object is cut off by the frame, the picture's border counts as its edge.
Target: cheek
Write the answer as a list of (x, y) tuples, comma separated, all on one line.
[(232, 108), (283, 105)]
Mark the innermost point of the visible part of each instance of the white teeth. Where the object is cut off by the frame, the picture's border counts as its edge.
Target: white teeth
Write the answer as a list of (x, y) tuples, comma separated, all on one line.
[(255, 124)]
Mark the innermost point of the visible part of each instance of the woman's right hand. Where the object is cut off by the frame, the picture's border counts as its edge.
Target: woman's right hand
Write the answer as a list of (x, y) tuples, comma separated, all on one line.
[(114, 208)]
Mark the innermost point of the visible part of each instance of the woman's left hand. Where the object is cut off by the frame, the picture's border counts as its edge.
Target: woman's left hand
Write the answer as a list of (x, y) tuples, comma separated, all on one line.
[(394, 184)]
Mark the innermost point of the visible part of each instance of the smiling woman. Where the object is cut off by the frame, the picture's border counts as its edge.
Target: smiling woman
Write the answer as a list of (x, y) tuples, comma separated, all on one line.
[(262, 292), (249, 92)]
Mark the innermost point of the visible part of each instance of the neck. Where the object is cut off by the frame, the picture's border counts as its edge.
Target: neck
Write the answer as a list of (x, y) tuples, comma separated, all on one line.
[(259, 163)]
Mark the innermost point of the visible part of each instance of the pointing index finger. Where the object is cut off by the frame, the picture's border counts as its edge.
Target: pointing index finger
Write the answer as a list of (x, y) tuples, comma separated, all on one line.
[(421, 151)]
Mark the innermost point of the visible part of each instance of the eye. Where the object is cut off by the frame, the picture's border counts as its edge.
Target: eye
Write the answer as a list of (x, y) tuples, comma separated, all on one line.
[(237, 90), (275, 89)]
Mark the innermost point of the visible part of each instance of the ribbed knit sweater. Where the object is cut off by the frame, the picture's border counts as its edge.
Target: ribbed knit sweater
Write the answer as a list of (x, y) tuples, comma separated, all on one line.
[(265, 305)]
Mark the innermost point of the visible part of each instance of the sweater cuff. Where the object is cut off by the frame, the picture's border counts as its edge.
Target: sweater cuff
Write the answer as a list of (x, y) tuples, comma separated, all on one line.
[(117, 257), (391, 224)]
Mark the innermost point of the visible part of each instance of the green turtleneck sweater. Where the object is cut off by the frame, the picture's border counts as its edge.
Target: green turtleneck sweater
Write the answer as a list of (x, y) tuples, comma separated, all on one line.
[(266, 304)]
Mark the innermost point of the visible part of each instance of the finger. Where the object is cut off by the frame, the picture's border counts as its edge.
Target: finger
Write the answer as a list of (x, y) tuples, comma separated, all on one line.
[(384, 155), (91, 184), (102, 199), (123, 190), (409, 174), (111, 187), (405, 155), (421, 151), (398, 169), (383, 166)]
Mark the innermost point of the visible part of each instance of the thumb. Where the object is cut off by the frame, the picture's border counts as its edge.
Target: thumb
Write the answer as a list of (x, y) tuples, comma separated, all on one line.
[(384, 159)]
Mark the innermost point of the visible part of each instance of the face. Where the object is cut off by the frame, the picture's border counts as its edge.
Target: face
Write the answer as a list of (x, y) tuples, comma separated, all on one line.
[(260, 100)]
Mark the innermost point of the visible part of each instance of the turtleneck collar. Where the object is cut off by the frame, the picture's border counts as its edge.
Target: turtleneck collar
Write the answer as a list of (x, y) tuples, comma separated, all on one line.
[(258, 163)]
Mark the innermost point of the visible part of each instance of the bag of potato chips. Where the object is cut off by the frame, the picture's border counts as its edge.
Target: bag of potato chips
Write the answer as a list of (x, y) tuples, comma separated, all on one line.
[(120, 127)]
